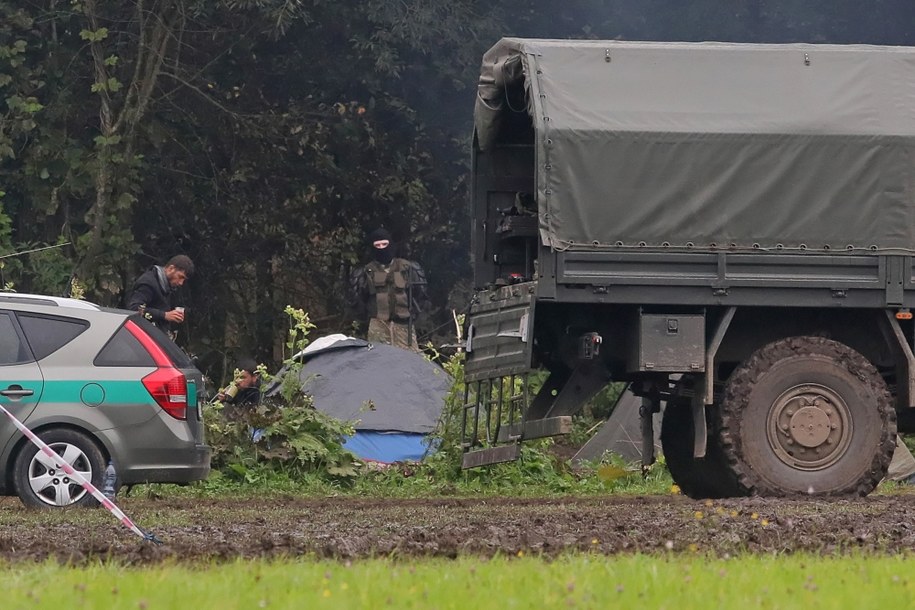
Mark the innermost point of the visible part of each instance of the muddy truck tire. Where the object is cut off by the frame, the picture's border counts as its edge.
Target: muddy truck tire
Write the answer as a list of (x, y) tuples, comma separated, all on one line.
[(707, 477), (807, 415)]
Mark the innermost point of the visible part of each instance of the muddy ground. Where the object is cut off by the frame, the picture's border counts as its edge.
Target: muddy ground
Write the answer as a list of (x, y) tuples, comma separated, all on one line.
[(347, 528)]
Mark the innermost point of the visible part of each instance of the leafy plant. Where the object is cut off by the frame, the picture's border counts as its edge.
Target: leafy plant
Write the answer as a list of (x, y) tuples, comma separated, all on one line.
[(278, 436)]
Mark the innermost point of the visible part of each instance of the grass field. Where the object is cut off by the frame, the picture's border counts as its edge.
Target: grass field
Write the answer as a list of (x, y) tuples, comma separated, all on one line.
[(574, 581), (598, 564)]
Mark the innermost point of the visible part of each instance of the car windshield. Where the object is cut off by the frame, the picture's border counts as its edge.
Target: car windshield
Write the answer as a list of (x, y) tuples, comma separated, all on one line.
[(175, 353)]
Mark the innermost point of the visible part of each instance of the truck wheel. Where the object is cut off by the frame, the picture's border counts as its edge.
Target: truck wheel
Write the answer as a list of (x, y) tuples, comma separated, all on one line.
[(707, 477), (807, 415), (40, 484)]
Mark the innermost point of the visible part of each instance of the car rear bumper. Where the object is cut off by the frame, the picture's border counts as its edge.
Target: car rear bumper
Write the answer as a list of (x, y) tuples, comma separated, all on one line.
[(184, 466)]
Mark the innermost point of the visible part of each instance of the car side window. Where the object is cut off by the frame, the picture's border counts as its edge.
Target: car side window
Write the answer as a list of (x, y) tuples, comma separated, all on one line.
[(12, 349), (123, 349), (47, 334)]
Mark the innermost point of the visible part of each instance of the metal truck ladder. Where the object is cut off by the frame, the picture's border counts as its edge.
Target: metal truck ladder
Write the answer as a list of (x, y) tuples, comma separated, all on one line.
[(498, 413)]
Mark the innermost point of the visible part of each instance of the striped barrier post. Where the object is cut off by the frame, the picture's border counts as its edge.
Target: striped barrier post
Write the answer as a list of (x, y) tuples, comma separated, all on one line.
[(87, 485)]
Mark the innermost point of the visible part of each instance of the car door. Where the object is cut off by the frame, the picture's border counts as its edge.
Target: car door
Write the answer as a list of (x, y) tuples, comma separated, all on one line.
[(21, 382)]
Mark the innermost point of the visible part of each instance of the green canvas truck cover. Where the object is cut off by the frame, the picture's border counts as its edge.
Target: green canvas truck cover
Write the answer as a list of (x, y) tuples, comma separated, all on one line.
[(712, 145)]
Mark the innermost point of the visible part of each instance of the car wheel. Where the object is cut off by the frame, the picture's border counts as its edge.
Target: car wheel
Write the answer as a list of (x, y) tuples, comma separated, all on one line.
[(40, 484)]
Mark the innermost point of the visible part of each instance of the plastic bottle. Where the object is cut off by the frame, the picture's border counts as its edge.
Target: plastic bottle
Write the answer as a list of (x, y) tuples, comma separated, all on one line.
[(109, 487)]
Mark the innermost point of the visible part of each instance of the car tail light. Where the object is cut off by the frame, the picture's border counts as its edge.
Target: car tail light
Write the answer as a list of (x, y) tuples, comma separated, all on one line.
[(167, 385)]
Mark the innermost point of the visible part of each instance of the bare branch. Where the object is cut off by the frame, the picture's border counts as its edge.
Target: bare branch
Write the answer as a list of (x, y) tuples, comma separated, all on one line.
[(203, 94)]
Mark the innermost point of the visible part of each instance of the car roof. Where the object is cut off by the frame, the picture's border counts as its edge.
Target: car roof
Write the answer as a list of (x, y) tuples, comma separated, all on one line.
[(42, 299)]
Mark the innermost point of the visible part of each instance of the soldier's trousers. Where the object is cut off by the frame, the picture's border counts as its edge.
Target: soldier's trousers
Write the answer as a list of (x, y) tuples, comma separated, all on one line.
[(392, 333)]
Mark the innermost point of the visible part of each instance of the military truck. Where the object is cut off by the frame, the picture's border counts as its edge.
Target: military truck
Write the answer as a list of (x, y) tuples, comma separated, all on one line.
[(728, 228)]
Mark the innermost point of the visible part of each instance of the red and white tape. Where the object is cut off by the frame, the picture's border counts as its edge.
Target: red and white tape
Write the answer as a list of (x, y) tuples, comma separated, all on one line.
[(87, 485)]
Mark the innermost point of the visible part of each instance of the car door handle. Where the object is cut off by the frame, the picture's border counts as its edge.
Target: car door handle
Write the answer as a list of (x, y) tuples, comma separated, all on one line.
[(16, 391)]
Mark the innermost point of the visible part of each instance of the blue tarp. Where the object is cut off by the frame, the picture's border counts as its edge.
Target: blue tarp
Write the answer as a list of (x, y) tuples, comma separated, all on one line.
[(388, 447)]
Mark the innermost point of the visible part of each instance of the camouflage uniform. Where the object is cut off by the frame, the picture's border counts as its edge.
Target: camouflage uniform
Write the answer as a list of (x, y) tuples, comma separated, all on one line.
[(380, 295)]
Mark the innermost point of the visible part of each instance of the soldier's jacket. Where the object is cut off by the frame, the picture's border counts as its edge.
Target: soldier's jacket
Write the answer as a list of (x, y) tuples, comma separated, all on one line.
[(384, 293)]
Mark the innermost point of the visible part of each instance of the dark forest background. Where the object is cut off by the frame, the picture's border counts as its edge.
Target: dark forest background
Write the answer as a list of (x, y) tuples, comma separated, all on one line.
[(265, 138)]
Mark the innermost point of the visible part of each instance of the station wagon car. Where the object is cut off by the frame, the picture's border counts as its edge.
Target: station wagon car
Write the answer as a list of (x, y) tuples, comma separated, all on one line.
[(96, 385)]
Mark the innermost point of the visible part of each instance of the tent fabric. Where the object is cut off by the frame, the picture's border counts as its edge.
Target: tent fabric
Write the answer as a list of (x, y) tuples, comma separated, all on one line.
[(381, 387), (394, 396), (330, 342), (711, 145), (388, 447)]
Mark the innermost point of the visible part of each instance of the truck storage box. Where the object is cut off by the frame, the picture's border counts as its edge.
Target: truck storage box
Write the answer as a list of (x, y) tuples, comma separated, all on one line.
[(668, 343)]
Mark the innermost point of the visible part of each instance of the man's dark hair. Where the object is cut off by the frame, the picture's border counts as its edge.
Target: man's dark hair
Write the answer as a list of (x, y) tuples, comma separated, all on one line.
[(247, 364), (182, 263)]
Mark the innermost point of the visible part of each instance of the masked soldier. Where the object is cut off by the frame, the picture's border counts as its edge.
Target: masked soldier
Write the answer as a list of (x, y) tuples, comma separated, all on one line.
[(387, 294)]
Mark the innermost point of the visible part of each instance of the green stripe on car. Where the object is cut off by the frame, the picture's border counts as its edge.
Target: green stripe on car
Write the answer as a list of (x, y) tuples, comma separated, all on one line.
[(115, 392)]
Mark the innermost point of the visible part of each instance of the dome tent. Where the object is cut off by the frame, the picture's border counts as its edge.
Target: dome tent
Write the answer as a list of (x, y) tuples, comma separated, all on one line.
[(394, 396)]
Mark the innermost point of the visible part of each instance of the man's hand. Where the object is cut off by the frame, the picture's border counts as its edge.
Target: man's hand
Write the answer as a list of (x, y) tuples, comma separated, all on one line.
[(175, 316)]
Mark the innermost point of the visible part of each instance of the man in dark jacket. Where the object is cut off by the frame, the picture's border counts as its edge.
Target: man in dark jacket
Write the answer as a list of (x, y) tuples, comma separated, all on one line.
[(246, 388), (152, 292), (243, 394)]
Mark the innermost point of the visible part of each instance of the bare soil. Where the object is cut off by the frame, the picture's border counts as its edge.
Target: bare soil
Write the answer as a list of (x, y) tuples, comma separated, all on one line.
[(343, 528)]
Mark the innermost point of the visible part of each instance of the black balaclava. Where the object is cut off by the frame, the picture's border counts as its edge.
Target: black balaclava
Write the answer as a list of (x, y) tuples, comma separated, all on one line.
[(382, 255)]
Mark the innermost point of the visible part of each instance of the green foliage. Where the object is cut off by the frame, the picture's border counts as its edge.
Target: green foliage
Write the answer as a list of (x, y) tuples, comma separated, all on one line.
[(539, 472), (50, 271), (41, 163), (277, 437), (77, 290), (601, 406), (96, 36), (5, 230)]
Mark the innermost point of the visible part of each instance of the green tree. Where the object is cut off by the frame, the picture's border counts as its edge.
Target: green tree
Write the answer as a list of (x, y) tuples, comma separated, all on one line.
[(295, 147)]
